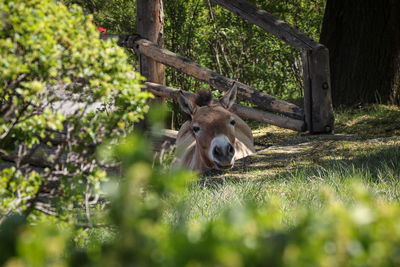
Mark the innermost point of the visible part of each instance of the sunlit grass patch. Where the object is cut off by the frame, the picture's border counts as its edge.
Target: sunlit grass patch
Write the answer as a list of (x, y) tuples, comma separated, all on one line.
[(300, 187), (295, 167), (370, 121)]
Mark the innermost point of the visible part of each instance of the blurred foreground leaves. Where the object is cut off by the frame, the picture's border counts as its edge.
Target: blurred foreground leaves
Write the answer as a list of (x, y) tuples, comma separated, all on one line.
[(363, 232)]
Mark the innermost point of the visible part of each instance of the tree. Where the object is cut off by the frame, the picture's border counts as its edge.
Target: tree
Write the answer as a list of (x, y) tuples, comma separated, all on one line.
[(363, 38), (151, 28)]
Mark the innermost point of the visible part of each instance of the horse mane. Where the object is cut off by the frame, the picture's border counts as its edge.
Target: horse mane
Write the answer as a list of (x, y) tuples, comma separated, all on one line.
[(203, 98)]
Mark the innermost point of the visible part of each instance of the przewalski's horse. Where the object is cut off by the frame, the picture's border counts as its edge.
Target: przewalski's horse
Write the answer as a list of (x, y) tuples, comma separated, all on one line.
[(214, 137)]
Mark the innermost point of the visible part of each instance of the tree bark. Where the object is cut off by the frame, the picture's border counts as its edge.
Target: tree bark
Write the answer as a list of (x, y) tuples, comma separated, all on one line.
[(150, 25), (363, 38)]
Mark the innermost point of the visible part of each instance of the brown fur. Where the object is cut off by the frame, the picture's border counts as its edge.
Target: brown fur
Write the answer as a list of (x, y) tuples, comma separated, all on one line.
[(203, 98), (214, 120)]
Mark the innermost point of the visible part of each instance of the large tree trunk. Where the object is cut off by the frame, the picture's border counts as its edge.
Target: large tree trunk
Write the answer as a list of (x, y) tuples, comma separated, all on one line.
[(363, 37)]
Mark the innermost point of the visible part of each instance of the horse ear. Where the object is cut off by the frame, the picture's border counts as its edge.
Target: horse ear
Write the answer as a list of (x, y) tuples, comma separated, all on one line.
[(229, 98), (186, 104)]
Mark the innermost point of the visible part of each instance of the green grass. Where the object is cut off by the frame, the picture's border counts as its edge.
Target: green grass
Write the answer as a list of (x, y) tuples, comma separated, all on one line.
[(300, 187), (295, 168), (368, 122), (301, 200), (294, 173)]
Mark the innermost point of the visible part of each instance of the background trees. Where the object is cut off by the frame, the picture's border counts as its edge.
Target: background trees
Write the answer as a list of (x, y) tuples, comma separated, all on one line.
[(363, 39)]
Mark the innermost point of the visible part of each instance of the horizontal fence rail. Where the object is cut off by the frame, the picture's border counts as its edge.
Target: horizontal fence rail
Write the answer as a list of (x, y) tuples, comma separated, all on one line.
[(187, 66), (269, 23), (241, 111), (317, 115)]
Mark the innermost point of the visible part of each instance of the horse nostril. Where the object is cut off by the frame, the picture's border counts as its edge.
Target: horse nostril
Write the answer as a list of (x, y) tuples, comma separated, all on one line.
[(217, 151), (231, 150)]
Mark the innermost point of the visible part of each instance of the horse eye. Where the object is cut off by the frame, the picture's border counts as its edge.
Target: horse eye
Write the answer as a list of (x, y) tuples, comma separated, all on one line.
[(196, 129), (233, 122)]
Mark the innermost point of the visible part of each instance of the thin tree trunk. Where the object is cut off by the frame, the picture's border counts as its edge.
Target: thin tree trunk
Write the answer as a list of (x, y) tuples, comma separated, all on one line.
[(150, 25)]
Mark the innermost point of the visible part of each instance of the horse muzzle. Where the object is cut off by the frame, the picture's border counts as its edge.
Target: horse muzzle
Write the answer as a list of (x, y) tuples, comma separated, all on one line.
[(222, 152)]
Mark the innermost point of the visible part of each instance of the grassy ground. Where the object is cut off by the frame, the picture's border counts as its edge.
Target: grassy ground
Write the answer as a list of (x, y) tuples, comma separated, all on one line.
[(296, 168)]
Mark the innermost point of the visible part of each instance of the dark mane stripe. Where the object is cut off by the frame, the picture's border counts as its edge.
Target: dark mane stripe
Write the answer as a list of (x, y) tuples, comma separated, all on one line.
[(203, 98)]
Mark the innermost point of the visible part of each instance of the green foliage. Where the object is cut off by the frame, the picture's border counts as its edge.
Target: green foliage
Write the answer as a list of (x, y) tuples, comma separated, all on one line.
[(223, 42), (152, 220), (52, 56), (116, 16), (360, 232)]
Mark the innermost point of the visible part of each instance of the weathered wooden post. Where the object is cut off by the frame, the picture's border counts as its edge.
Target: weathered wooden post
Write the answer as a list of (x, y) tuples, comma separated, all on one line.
[(150, 25), (317, 90)]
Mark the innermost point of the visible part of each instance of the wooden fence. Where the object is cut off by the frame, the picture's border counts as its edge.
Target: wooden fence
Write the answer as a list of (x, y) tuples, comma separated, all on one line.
[(317, 115)]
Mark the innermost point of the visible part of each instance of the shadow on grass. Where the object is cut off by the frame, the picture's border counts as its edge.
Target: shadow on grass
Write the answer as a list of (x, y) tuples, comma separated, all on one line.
[(320, 157), (360, 146), (370, 121), (377, 165)]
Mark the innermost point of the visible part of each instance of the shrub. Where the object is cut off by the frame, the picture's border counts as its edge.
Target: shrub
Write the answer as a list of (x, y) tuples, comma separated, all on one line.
[(63, 92)]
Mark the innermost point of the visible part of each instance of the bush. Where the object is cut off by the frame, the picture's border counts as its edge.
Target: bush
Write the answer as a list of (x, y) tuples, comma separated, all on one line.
[(63, 92)]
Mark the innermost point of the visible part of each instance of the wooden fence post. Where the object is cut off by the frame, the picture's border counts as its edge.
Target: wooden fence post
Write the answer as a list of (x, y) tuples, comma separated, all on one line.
[(317, 88), (318, 108), (150, 25)]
